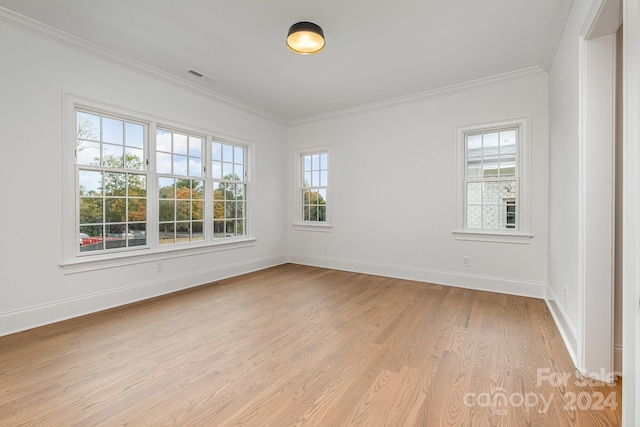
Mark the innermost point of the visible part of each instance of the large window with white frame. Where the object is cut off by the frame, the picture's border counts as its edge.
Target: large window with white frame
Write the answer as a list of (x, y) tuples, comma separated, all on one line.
[(494, 180), (314, 187), (145, 185)]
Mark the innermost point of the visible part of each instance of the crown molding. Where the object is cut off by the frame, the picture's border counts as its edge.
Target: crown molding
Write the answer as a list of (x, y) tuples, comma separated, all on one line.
[(54, 35), (499, 79), (560, 16)]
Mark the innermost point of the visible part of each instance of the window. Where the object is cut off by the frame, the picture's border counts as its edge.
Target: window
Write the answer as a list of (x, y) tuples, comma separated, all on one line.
[(230, 187), (314, 187), (112, 183), (491, 177), (141, 185), (493, 188), (180, 187)]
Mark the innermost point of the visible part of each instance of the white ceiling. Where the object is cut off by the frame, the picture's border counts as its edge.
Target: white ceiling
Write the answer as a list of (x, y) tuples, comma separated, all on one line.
[(376, 49)]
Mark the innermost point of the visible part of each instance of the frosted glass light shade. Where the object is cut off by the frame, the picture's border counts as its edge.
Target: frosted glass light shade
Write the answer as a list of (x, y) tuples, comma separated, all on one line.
[(305, 38)]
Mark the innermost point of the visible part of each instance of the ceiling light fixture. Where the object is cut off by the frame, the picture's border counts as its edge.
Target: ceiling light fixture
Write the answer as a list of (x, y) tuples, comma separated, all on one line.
[(305, 38)]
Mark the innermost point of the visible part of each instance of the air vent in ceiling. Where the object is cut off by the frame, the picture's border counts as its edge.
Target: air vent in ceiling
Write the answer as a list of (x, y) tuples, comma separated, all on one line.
[(202, 79)]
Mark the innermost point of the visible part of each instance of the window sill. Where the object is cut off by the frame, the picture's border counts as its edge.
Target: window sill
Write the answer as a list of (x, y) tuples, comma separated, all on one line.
[(121, 259), (493, 236), (317, 227)]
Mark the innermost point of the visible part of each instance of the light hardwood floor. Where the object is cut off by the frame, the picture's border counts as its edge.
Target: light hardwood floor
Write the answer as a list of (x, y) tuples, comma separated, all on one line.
[(296, 345)]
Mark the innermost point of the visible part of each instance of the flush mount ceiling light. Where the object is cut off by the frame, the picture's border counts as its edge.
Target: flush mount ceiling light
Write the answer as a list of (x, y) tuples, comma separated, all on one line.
[(305, 38)]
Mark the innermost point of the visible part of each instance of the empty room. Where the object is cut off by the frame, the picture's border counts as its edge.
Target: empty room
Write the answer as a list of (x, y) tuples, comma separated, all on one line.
[(275, 213)]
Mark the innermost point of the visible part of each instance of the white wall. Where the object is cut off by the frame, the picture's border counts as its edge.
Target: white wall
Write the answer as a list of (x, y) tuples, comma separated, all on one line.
[(34, 74), (394, 190), (563, 164)]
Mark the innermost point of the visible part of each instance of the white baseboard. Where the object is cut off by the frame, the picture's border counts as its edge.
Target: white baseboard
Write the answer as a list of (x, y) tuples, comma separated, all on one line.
[(32, 317), (567, 329), (440, 277)]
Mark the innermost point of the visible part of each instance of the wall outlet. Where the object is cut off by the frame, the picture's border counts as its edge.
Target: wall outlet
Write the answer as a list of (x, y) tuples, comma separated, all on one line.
[(565, 294), (465, 261), (325, 248), (159, 267)]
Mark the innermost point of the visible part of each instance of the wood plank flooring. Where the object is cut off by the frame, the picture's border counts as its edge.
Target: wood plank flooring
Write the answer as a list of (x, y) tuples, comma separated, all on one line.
[(303, 346)]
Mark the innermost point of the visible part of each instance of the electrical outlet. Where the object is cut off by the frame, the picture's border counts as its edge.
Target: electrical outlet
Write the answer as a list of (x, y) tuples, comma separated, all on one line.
[(566, 293), (324, 248), (159, 267), (465, 261)]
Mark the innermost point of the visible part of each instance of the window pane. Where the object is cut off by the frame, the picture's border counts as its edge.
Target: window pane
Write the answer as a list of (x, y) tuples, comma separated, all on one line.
[(180, 165), (240, 191), (507, 166), (238, 155), (227, 153), (134, 135), (137, 210), (90, 183), (166, 210), (322, 196), (197, 231), (323, 161), (195, 146), (474, 193), (307, 163), (90, 210), (137, 185), (474, 217), (88, 126), (113, 156), (216, 170), (490, 167), (197, 210), (163, 163), (183, 189), (216, 151), (183, 210), (508, 142), (166, 188), (492, 193), (197, 189), (491, 217), (490, 144), (474, 168), (474, 146), (115, 184), (167, 234), (88, 153), (227, 171), (134, 158), (323, 178), (238, 171), (163, 140), (112, 131), (195, 166), (180, 145), (315, 178), (115, 209)]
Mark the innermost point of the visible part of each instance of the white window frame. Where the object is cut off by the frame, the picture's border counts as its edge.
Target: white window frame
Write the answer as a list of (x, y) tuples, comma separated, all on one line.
[(73, 261), (299, 223), (521, 234)]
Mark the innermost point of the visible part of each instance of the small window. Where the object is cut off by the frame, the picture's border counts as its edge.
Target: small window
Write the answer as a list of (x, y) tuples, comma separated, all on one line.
[(314, 187), (491, 178), (180, 187), (493, 191), (230, 189)]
